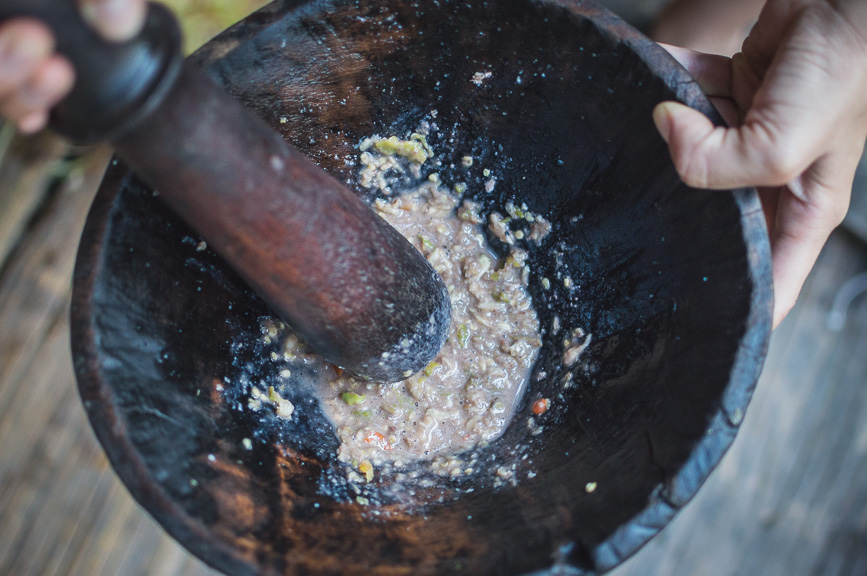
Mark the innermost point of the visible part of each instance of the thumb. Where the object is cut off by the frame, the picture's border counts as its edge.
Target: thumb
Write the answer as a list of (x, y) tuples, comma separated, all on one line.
[(114, 20), (709, 156)]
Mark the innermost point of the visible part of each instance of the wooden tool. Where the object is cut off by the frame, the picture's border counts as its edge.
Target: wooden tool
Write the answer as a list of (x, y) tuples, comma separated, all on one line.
[(350, 285)]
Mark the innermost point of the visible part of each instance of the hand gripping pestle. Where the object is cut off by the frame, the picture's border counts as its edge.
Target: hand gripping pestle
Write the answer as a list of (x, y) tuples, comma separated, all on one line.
[(350, 285)]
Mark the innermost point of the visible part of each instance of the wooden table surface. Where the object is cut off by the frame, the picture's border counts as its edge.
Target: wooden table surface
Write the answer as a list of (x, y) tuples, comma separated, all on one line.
[(789, 498)]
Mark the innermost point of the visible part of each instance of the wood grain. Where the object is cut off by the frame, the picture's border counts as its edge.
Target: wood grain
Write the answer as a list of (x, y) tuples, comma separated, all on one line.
[(62, 510), (789, 498), (788, 495), (23, 181), (704, 303)]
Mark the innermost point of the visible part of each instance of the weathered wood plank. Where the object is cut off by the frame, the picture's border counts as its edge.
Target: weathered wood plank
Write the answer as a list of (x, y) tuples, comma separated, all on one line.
[(35, 284), (26, 167), (44, 478), (62, 510)]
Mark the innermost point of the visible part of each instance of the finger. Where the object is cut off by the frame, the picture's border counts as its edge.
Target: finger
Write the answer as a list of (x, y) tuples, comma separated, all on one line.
[(712, 71), (828, 182), (707, 156), (761, 44), (23, 44), (799, 235), (807, 211), (48, 84), (114, 20), (33, 122)]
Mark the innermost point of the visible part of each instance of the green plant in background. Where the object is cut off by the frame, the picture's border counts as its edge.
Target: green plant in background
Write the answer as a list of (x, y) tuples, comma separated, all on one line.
[(201, 20)]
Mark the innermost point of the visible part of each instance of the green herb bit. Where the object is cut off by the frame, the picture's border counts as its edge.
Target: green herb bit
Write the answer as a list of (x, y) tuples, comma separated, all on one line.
[(423, 141), (352, 398), (513, 262), (362, 413), (425, 243), (413, 150), (429, 369), (501, 297), (463, 335)]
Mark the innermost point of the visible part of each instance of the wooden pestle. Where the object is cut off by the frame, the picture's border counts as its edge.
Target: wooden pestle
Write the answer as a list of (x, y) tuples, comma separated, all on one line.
[(350, 285)]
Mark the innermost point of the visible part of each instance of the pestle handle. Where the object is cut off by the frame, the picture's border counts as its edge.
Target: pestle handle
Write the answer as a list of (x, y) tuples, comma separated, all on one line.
[(347, 283), (117, 84)]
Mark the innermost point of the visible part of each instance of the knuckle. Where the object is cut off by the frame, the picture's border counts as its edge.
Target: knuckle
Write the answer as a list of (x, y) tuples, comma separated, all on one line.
[(779, 152), (826, 207)]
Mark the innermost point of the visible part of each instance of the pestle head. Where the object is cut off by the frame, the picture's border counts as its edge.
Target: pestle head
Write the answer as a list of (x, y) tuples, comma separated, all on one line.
[(400, 332)]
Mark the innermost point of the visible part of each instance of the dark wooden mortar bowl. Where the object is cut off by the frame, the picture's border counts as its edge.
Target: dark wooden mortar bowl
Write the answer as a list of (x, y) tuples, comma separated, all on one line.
[(673, 285)]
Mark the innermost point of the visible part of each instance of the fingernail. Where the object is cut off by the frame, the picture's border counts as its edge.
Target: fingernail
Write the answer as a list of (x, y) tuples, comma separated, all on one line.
[(662, 119)]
